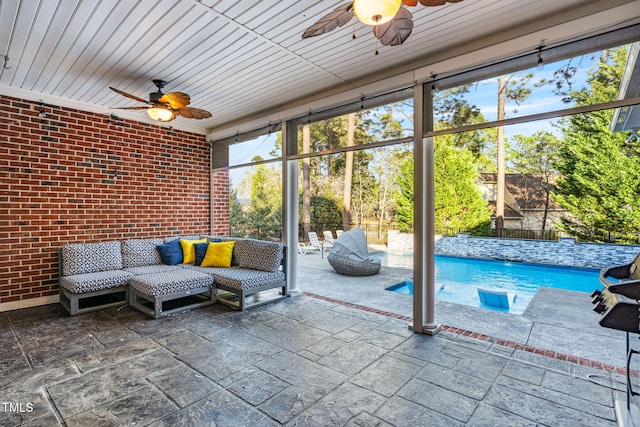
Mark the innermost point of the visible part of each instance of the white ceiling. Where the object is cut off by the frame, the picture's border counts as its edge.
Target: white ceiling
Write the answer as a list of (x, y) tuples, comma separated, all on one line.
[(242, 60)]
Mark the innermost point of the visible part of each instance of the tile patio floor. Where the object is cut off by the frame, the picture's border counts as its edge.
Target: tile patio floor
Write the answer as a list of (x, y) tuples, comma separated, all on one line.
[(305, 361)]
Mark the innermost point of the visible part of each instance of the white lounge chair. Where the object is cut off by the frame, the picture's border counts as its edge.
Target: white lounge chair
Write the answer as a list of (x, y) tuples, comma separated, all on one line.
[(302, 248), (328, 236), (496, 298), (328, 240), (312, 246)]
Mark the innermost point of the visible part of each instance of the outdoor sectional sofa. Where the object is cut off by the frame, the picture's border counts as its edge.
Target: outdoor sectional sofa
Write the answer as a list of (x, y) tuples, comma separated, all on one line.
[(99, 275)]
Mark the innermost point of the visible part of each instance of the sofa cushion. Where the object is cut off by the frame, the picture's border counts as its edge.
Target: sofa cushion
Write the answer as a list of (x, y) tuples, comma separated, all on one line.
[(211, 271), (188, 251), (149, 269), (243, 279), (139, 252), (258, 254), (170, 282), (81, 258), (186, 237), (171, 252), (88, 282)]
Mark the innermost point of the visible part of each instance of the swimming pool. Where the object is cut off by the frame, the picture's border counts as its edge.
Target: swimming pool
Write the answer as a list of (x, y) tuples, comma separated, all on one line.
[(457, 280)]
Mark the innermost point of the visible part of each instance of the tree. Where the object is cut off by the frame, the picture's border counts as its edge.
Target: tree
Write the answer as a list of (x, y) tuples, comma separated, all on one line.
[(458, 201), (237, 220), (404, 197), (600, 179), (536, 155), (348, 173), (513, 88), (306, 182), (452, 110), (263, 215)]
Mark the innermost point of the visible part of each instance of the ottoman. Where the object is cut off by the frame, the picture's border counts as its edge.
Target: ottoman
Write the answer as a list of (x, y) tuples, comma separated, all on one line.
[(164, 293)]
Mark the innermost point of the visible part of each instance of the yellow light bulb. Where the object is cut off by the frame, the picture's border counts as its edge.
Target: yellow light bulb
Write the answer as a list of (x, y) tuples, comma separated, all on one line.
[(160, 114), (376, 12)]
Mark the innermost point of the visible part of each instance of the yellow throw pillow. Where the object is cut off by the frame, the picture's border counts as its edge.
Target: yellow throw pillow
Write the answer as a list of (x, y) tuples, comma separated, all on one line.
[(218, 254), (188, 251)]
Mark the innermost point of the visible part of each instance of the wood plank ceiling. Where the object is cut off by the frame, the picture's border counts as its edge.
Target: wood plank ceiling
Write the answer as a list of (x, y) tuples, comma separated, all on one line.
[(235, 58)]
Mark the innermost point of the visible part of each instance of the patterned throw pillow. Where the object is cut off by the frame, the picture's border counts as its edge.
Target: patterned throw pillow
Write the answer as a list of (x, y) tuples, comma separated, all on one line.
[(171, 253), (258, 254), (179, 236), (188, 251), (80, 258), (218, 254), (139, 252)]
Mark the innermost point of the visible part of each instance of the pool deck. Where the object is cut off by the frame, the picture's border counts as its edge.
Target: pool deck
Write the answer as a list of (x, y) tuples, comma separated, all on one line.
[(558, 323)]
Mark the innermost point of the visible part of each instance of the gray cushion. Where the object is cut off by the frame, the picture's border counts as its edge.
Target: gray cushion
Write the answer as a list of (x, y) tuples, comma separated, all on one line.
[(81, 258), (211, 271), (139, 252), (258, 254), (149, 269), (189, 237), (170, 282), (88, 282), (243, 279)]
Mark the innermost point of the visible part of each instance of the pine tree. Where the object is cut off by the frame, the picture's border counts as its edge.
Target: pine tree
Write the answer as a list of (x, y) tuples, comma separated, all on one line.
[(600, 185), (458, 202), (404, 197)]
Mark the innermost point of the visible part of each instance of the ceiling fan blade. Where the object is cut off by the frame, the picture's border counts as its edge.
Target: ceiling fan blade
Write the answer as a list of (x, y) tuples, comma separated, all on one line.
[(128, 95), (410, 2), (340, 16), (396, 31), (176, 100), (129, 108), (192, 113)]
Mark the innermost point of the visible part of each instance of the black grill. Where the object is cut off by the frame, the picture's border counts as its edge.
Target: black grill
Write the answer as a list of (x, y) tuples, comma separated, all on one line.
[(618, 305)]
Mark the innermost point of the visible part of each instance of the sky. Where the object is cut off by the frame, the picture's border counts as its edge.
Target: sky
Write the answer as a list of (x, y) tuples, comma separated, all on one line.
[(483, 94)]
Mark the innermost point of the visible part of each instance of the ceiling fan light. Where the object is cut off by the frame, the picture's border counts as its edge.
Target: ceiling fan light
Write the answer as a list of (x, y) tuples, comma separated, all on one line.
[(160, 114), (376, 12)]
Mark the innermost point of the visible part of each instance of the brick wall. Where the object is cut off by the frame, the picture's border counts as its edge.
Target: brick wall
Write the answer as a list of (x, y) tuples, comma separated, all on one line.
[(220, 194), (75, 176)]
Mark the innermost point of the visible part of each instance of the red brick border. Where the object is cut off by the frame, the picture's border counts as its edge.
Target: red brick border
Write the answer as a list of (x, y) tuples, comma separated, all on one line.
[(482, 337)]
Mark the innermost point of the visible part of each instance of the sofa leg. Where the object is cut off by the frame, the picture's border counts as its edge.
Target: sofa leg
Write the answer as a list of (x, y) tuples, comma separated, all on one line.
[(74, 305), (241, 300), (157, 307)]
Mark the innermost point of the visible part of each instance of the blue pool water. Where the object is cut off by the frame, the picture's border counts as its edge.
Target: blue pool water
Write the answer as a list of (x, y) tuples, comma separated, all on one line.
[(457, 280)]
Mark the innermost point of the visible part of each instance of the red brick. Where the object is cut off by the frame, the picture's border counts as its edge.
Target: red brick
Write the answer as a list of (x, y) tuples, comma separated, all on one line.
[(64, 191)]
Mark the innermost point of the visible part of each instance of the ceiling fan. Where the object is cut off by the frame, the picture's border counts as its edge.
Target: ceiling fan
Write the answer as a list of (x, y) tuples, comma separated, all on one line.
[(391, 22), (164, 107)]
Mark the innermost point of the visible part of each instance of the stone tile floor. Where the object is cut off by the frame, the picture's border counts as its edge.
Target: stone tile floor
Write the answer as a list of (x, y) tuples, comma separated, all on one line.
[(304, 361)]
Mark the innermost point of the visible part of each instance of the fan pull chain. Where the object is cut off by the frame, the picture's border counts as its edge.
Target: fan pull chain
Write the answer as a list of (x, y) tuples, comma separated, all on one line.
[(376, 30), (355, 36)]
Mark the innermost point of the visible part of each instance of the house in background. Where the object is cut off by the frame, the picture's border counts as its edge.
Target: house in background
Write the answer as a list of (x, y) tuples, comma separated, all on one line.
[(525, 200)]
